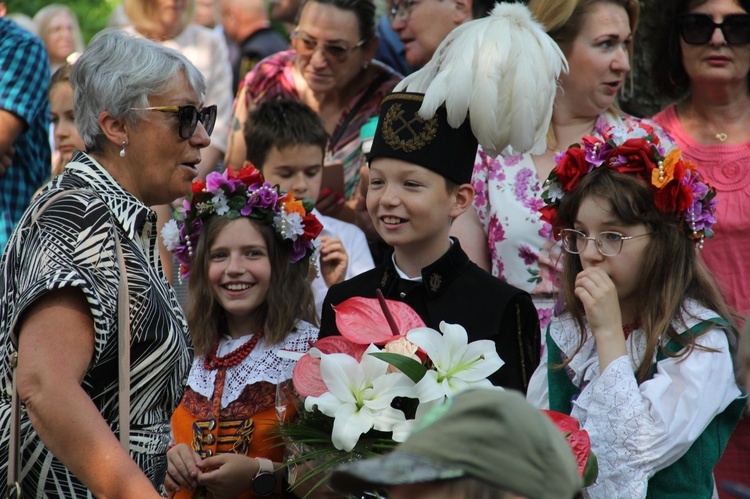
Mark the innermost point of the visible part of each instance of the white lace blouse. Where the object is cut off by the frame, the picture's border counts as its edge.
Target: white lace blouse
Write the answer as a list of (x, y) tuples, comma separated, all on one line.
[(638, 430), (264, 363)]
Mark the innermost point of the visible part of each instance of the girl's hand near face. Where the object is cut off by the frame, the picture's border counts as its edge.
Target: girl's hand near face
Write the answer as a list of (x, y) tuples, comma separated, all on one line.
[(182, 468), (598, 295)]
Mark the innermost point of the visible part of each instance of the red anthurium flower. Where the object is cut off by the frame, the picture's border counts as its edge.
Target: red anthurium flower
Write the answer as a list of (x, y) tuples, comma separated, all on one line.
[(361, 320), (579, 442), (306, 377)]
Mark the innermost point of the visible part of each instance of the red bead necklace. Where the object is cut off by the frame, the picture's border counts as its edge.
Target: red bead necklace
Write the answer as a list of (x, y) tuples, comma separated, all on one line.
[(234, 357), (628, 329)]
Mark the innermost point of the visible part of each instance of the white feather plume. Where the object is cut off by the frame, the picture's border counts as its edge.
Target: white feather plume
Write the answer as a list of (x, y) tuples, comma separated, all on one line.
[(502, 72)]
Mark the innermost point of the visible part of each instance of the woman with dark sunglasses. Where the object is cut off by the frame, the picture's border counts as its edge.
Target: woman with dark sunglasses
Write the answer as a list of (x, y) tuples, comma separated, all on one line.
[(703, 62), (332, 70), (86, 241)]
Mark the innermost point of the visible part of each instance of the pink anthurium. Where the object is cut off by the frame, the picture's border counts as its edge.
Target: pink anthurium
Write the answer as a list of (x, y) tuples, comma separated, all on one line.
[(306, 376), (362, 321)]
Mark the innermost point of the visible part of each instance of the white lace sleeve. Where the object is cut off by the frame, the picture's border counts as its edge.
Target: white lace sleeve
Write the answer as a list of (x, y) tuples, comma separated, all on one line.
[(638, 430)]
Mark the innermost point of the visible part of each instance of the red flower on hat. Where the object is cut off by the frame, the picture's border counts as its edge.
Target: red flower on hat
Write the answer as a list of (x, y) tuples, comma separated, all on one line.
[(571, 168)]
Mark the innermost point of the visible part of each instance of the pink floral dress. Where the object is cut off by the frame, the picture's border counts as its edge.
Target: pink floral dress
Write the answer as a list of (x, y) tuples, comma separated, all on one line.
[(522, 247)]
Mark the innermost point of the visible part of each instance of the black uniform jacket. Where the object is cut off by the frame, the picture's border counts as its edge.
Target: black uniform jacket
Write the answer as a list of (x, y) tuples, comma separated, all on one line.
[(457, 291)]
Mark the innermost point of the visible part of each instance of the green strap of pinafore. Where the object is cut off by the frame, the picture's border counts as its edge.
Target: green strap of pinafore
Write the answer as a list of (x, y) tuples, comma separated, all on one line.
[(690, 477)]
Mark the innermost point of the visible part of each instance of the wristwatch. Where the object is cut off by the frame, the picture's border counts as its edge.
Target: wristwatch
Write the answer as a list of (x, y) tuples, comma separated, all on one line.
[(264, 483)]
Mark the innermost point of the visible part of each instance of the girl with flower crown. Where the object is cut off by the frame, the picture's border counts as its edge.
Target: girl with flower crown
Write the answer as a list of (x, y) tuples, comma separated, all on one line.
[(246, 249), (642, 355)]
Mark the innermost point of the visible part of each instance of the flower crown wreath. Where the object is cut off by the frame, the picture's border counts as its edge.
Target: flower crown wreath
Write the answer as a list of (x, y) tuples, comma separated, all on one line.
[(675, 183), (243, 195)]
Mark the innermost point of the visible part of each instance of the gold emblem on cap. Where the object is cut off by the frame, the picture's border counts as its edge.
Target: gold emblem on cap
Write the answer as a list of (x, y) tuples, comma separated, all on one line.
[(394, 123)]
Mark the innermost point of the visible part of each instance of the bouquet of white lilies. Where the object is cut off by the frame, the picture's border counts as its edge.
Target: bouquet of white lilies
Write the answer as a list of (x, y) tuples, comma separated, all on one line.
[(365, 390)]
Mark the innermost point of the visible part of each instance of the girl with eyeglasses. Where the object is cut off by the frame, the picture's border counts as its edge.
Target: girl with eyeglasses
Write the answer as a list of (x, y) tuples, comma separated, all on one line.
[(642, 354), (702, 61)]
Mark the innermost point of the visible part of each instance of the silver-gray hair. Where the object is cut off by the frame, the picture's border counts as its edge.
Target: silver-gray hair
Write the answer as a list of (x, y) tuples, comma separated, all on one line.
[(118, 72)]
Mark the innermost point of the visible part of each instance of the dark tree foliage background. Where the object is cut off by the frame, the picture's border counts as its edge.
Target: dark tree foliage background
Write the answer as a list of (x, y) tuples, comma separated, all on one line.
[(643, 100), (640, 100)]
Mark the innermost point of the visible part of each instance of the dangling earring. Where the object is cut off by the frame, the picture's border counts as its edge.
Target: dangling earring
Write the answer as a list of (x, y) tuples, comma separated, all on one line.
[(366, 65), (122, 151)]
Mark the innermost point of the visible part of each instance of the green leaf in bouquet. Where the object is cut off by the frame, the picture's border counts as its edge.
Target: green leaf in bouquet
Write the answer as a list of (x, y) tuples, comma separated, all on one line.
[(308, 439), (413, 369)]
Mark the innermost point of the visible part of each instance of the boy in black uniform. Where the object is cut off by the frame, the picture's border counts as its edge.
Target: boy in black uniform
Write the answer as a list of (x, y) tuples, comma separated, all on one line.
[(420, 174)]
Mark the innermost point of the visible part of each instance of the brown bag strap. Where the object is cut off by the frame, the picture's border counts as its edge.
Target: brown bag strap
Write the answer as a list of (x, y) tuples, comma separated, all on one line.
[(123, 346)]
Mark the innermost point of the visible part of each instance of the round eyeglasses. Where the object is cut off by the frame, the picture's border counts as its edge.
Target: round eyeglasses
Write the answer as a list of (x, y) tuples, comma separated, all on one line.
[(608, 243), (697, 29), (188, 117)]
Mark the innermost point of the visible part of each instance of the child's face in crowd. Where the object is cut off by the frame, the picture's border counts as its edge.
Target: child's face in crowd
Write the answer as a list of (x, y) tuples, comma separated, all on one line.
[(67, 139), (297, 169), (410, 206), (625, 269), (239, 270)]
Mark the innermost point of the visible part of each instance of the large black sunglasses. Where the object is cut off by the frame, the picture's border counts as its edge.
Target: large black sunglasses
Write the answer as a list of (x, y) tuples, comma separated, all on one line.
[(697, 29), (189, 116)]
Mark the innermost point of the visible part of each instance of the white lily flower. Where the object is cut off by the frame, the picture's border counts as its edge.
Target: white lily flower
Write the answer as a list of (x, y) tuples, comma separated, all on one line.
[(359, 395), (459, 365)]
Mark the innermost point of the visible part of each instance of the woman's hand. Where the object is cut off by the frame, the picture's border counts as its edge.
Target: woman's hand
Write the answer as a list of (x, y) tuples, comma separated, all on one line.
[(183, 467), (334, 260), (227, 475), (599, 297)]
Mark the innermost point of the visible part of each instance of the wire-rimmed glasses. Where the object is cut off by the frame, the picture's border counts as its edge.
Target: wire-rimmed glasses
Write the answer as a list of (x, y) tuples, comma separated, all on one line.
[(608, 243)]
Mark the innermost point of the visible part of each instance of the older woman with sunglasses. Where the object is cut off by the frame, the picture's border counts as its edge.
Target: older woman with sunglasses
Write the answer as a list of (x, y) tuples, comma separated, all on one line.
[(704, 60), (88, 239), (331, 69)]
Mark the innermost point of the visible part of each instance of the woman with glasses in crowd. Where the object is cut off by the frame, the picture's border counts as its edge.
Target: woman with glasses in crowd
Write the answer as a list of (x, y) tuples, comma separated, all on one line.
[(87, 239), (704, 60), (331, 69), (508, 236)]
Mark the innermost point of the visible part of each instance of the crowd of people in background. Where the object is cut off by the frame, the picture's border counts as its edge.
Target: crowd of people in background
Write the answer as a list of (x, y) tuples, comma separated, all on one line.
[(642, 335)]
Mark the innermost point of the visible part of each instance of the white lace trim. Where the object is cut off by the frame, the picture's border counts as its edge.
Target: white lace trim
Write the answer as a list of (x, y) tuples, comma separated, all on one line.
[(637, 430), (262, 364)]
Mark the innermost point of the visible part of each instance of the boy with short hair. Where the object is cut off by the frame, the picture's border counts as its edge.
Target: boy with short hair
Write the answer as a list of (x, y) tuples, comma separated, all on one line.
[(419, 182), (286, 141)]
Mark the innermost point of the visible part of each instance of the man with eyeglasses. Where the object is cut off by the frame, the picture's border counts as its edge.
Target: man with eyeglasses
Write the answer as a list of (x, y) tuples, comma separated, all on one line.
[(422, 24)]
